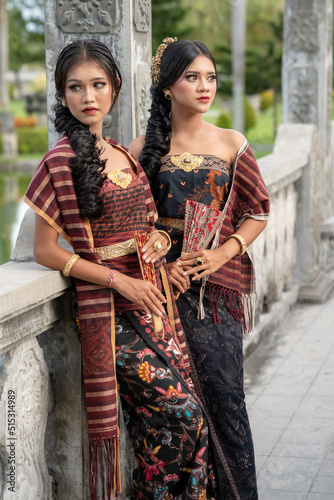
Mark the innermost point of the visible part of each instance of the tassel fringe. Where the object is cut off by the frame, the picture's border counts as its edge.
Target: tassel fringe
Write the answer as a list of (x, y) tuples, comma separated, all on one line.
[(104, 461), (241, 306)]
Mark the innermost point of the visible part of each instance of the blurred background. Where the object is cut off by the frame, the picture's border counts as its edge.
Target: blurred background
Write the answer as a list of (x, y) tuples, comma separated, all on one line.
[(23, 110)]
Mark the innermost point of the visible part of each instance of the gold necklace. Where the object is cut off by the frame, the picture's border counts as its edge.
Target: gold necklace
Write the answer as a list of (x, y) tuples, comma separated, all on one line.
[(120, 178), (187, 161)]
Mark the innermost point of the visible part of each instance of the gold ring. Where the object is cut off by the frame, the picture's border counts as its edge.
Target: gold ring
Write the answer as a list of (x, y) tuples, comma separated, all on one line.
[(199, 261), (157, 246)]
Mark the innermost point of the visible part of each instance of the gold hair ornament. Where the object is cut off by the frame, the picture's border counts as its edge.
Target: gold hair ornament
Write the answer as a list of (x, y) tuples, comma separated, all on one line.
[(156, 60)]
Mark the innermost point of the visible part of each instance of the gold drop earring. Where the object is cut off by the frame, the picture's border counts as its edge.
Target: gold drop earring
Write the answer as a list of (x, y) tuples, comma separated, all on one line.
[(168, 94), (64, 102)]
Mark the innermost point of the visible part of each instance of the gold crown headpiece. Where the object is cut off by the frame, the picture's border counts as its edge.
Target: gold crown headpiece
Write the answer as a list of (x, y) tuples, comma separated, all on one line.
[(156, 60)]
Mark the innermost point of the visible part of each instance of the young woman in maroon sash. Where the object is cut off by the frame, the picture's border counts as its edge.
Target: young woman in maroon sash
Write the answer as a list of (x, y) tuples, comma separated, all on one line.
[(92, 191), (192, 163)]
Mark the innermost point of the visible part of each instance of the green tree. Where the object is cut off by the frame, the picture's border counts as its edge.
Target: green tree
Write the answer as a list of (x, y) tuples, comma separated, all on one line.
[(263, 52), (26, 33), (168, 20)]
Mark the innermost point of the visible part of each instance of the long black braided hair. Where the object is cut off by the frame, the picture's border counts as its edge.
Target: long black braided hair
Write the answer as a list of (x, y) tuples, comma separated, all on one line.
[(87, 167), (176, 58)]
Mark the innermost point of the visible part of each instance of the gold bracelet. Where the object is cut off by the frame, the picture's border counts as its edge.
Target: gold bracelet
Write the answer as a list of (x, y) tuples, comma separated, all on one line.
[(71, 261), (241, 241), (166, 235)]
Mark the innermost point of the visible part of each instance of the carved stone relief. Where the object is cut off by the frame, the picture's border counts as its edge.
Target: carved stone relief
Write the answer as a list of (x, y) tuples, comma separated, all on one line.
[(142, 14), (142, 97), (25, 392), (303, 95), (83, 16), (304, 31)]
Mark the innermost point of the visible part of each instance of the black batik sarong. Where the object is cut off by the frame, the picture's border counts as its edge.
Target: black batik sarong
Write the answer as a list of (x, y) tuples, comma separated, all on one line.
[(216, 352), (164, 418)]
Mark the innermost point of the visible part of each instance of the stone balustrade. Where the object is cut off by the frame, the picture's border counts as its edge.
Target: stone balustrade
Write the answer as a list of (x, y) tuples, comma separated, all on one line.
[(43, 438)]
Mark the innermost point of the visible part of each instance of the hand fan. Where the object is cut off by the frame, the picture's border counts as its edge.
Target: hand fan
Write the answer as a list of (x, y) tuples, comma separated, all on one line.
[(200, 224)]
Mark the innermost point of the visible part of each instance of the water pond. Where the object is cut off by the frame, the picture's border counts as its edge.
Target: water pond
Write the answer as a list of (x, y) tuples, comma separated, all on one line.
[(12, 210)]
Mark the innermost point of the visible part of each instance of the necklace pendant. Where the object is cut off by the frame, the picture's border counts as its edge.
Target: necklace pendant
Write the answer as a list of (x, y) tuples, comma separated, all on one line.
[(187, 161), (120, 178)]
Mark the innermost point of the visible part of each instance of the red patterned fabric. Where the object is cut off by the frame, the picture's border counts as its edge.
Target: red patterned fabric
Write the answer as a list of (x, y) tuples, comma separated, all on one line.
[(199, 221), (51, 194)]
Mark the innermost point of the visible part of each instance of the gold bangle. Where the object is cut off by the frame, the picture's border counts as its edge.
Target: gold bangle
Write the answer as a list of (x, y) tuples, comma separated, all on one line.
[(71, 261), (241, 241), (166, 235)]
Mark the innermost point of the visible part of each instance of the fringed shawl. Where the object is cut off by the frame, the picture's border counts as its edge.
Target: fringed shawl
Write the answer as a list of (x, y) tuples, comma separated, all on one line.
[(51, 194), (248, 197)]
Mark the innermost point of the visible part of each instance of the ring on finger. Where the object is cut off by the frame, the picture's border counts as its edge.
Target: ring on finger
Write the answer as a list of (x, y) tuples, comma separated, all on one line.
[(157, 246), (199, 261)]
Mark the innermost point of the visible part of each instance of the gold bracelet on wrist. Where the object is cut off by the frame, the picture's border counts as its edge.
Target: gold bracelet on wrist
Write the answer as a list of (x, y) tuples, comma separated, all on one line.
[(241, 241), (166, 235), (71, 261)]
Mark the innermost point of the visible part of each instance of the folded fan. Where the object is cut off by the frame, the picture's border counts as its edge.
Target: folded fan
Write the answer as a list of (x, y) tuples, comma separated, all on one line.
[(148, 273), (200, 224)]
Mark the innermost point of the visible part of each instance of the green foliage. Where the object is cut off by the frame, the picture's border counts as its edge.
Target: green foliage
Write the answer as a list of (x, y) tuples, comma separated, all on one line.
[(32, 140), (26, 39), (264, 58), (168, 20), (224, 120), (250, 116), (263, 53), (267, 99)]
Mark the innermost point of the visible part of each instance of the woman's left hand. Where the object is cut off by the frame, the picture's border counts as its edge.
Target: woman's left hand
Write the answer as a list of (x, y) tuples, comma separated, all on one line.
[(212, 261), (150, 254)]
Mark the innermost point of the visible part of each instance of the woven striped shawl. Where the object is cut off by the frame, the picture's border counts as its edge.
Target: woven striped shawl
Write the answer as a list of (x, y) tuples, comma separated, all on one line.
[(248, 197)]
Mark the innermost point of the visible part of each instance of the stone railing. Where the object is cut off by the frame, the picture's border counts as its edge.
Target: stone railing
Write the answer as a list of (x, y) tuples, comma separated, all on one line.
[(43, 439)]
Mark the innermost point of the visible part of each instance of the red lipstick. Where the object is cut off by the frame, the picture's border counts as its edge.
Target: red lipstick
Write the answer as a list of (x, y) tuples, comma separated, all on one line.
[(204, 98), (89, 110)]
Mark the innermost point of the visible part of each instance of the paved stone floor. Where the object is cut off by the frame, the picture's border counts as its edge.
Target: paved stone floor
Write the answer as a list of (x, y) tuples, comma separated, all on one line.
[(289, 384)]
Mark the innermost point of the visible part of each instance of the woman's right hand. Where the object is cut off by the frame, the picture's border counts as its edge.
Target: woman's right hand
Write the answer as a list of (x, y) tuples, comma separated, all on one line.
[(180, 282), (142, 292)]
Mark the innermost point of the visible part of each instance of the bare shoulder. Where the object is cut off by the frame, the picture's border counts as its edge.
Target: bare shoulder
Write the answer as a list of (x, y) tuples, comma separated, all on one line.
[(227, 142), (136, 145)]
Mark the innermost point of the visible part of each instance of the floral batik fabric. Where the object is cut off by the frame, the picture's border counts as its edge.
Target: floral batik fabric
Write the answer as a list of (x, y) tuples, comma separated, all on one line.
[(165, 419)]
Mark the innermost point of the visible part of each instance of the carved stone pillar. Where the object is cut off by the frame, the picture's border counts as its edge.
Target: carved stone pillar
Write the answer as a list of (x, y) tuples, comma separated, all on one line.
[(123, 25), (24, 390), (307, 99), (307, 65)]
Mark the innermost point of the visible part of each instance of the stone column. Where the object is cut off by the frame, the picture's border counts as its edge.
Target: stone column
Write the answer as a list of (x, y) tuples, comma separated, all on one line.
[(307, 99), (307, 65), (123, 25)]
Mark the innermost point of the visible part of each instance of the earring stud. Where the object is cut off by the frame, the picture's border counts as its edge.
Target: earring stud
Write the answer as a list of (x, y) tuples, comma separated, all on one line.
[(168, 94)]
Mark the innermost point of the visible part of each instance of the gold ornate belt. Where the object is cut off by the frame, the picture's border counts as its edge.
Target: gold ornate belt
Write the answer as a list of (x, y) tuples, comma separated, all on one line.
[(168, 221), (117, 250)]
